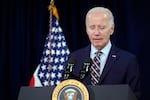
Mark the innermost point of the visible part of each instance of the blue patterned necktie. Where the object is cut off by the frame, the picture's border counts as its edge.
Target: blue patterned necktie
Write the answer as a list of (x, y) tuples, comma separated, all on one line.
[(95, 69)]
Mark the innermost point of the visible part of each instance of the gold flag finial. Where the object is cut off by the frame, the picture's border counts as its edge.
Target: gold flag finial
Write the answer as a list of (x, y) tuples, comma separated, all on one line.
[(54, 9)]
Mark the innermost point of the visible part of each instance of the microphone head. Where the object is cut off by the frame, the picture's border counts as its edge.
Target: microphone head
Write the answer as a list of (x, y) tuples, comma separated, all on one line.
[(88, 60), (86, 68), (71, 61), (69, 68)]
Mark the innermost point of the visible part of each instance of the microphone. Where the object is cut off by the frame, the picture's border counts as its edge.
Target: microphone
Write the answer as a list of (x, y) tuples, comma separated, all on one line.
[(86, 69), (69, 68)]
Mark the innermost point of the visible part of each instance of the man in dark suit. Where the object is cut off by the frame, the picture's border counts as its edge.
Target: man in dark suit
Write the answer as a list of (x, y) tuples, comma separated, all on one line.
[(117, 66)]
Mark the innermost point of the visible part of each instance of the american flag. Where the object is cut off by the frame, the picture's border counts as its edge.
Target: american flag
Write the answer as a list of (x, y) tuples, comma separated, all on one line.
[(53, 60)]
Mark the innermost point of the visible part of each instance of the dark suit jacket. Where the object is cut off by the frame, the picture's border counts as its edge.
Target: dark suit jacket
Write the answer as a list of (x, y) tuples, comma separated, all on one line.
[(121, 68)]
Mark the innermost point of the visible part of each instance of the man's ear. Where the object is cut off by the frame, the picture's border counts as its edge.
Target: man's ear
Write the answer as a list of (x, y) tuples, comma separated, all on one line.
[(112, 29)]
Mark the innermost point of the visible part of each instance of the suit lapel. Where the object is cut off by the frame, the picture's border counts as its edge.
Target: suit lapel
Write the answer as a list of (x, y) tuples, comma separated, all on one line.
[(109, 63)]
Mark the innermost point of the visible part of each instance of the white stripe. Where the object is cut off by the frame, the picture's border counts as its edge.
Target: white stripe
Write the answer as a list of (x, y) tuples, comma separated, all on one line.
[(37, 82), (96, 72), (94, 78), (97, 58)]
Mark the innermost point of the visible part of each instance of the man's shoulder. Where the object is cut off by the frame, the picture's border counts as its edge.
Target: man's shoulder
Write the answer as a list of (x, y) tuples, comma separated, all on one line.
[(123, 52), (85, 51)]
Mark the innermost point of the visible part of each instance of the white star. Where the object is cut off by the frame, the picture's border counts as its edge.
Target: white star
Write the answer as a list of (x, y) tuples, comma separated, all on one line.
[(60, 30), (52, 52), (53, 29), (59, 45), (67, 51), (43, 67), (59, 75), (60, 67), (57, 52), (56, 30), (47, 75), (53, 45), (62, 60), (56, 60), (64, 44), (57, 82), (54, 67), (47, 52), (56, 22), (41, 75), (63, 52), (45, 60), (45, 83), (53, 75), (55, 37), (48, 44)]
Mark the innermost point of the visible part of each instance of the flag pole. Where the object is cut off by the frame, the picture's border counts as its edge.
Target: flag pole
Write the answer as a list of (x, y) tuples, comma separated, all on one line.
[(50, 33)]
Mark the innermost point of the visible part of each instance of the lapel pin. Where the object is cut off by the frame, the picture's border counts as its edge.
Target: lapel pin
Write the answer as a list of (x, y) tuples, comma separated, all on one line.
[(114, 56)]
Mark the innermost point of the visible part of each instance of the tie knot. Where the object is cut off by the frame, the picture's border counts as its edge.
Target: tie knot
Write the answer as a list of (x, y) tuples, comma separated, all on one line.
[(98, 53)]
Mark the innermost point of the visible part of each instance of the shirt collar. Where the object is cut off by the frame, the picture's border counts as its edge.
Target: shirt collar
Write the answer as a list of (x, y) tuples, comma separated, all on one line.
[(104, 50)]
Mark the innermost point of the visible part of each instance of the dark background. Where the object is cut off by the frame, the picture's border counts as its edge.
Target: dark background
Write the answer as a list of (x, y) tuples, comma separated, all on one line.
[(25, 24)]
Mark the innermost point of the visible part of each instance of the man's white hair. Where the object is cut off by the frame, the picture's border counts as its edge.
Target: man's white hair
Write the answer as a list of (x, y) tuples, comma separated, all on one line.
[(101, 9)]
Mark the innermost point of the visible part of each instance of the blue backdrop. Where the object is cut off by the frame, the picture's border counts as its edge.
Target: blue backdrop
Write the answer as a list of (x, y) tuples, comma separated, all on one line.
[(25, 24)]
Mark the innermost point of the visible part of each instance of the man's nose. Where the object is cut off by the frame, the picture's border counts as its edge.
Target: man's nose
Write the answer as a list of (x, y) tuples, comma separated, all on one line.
[(96, 31)]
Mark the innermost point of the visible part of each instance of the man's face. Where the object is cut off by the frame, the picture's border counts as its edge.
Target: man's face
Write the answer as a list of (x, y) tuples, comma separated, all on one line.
[(98, 29)]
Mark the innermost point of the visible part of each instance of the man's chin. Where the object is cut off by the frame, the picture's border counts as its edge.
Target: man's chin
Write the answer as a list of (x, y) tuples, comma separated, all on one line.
[(98, 46)]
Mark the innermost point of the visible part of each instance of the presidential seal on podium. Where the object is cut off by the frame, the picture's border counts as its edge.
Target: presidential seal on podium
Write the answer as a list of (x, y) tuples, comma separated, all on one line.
[(70, 89)]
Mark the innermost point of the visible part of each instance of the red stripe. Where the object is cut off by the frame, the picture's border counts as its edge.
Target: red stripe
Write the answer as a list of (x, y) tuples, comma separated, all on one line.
[(32, 82)]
